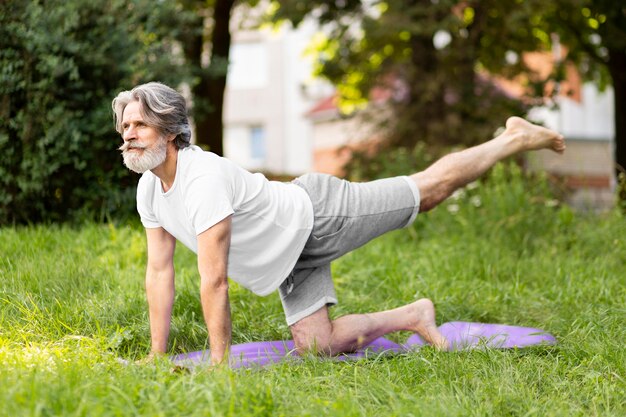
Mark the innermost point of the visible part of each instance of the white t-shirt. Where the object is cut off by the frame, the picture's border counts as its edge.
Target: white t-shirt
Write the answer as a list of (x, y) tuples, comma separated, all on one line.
[(271, 221)]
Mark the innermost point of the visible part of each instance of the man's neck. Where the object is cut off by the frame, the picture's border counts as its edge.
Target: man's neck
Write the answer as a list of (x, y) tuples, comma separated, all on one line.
[(167, 170)]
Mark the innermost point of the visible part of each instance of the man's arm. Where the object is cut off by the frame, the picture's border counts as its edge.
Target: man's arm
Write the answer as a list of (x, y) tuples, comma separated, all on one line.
[(160, 286), (213, 246)]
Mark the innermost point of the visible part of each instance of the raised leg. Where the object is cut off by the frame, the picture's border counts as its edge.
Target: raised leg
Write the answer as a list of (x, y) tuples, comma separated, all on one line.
[(455, 170), (317, 333)]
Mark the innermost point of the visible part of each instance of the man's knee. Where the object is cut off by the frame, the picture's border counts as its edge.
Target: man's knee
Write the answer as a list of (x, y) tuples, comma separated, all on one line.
[(432, 190), (312, 341), (313, 333)]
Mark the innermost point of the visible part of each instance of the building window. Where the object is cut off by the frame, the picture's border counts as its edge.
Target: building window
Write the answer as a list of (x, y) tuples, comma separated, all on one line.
[(257, 143)]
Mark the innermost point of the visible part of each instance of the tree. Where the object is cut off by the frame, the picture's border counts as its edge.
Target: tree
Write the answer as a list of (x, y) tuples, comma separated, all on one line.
[(62, 61), (481, 35), (438, 93), (207, 28), (209, 80), (595, 33)]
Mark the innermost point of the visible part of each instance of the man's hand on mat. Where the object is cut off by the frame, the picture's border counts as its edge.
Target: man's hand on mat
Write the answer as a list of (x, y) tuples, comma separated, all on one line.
[(150, 359), (223, 364), (156, 356)]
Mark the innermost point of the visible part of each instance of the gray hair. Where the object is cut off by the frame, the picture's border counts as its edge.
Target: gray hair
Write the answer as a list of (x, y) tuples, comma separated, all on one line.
[(162, 107)]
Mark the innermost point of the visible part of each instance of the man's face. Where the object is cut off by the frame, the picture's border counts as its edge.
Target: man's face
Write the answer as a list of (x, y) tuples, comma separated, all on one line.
[(144, 148)]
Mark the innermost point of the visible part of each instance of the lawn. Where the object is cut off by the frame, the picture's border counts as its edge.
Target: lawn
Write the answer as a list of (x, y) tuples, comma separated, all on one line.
[(501, 251)]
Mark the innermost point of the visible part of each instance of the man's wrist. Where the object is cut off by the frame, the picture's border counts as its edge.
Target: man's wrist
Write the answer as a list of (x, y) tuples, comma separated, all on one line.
[(158, 350), (218, 360)]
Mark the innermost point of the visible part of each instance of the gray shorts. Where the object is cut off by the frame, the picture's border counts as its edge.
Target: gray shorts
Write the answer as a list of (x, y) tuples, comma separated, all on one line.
[(347, 215)]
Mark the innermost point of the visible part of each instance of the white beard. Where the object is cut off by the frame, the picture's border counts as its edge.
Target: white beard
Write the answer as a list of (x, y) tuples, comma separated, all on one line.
[(150, 158)]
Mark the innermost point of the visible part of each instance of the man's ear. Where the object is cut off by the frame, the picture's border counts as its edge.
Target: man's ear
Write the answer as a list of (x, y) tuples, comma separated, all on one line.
[(171, 138)]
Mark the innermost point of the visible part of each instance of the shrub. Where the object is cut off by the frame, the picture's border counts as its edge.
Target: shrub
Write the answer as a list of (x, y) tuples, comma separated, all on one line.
[(61, 64)]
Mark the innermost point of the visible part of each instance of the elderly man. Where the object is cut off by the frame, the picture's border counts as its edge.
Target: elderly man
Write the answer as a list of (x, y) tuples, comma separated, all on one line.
[(269, 235)]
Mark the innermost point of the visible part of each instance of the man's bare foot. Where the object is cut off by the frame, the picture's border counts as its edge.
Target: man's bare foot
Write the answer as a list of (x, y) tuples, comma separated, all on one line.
[(425, 326), (534, 137)]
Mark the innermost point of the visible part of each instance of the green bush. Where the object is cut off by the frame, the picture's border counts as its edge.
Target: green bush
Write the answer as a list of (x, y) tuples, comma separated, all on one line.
[(388, 162), (508, 205), (61, 64)]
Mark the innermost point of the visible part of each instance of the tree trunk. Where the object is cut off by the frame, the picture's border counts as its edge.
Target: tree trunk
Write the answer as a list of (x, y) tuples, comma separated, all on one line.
[(617, 68), (208, 93), (210, 127), (421, 118)]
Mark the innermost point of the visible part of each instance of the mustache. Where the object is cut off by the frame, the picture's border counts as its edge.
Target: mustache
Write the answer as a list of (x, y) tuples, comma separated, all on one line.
[(128, 145)]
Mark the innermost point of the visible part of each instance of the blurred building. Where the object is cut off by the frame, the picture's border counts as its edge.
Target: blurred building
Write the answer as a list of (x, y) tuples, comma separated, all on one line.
[(586, 117), (269, 91), (587, 167)]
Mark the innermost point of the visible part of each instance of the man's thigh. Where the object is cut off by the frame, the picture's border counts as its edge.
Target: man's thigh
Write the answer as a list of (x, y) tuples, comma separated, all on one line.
[(348, 215)]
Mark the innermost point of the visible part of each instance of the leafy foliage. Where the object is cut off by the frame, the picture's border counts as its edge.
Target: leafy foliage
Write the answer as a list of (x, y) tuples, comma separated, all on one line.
[(378, 163), (438, 92), (595, 33), (62, 63), (206, 32)]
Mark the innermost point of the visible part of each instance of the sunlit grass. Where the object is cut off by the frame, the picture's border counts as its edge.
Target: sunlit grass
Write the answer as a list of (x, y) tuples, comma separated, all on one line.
[(72, 303)]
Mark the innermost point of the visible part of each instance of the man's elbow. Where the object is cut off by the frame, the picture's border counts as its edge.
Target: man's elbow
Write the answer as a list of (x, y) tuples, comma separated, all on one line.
[(214, 285), (159, 271)]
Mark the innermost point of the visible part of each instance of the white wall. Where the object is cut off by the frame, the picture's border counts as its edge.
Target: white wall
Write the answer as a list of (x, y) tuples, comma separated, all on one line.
[(591, 119), (265, 90), (589, 131)]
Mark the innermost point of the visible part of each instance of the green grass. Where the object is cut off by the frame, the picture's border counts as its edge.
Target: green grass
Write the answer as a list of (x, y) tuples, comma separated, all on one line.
[(72, 303)]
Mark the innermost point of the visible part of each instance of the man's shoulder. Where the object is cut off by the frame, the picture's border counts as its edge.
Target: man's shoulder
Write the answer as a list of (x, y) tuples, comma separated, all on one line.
[(145, 187), (146, 180), (194, 156), (196, 162)]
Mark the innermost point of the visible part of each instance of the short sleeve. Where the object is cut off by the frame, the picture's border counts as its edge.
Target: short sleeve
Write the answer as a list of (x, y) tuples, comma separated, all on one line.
[(209, 200), (144, 205)]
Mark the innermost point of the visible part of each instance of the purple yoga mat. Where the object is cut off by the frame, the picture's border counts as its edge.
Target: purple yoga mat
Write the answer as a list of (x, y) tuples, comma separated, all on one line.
[(265, 353), (461, 335)]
